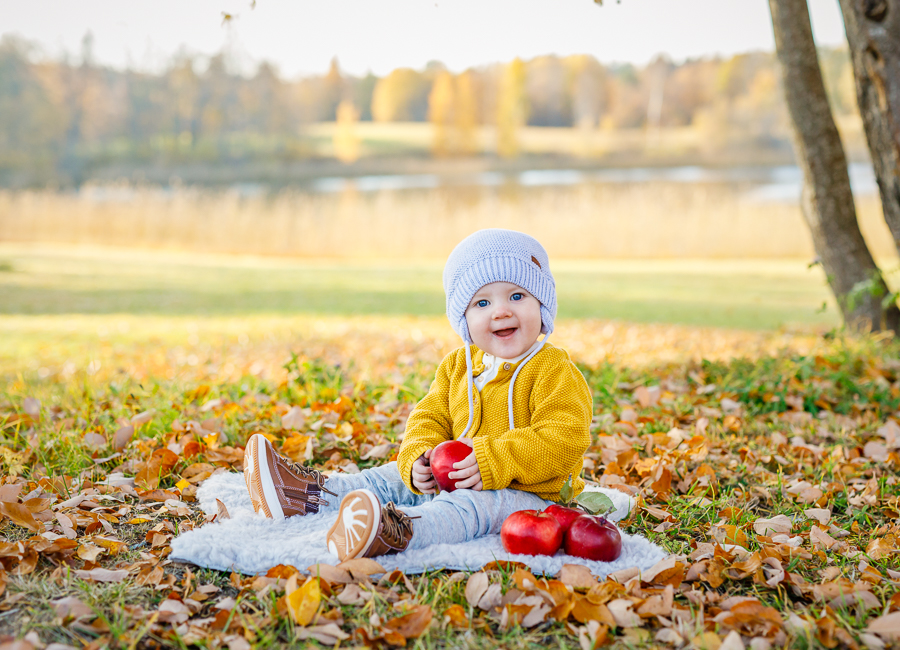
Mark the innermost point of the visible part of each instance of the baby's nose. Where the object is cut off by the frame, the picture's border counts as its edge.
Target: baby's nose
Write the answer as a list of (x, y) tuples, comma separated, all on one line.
[(502, 311)]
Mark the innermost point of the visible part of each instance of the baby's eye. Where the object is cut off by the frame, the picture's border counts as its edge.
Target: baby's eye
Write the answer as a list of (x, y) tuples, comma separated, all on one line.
[(517, 296), (481, 303)]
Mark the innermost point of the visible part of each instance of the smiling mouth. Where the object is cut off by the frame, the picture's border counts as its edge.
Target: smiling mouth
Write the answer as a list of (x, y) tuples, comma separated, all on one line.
[(509, 331)]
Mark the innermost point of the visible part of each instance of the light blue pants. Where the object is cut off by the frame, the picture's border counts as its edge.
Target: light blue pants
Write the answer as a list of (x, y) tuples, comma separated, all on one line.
[(446, 518)]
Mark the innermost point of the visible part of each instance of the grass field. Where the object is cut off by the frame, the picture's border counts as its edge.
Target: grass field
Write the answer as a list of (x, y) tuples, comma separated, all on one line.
[(154, 368), (745, 294), (804, 440)]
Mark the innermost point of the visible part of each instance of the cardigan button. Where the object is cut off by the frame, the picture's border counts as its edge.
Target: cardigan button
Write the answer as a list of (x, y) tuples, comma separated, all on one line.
[(506, 366)]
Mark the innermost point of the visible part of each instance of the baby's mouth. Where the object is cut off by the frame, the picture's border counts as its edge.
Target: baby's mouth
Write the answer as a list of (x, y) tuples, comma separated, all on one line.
[(503, 334)]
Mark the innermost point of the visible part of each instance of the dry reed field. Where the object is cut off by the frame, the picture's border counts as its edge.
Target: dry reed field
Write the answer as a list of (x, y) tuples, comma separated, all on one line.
[(587, 221)]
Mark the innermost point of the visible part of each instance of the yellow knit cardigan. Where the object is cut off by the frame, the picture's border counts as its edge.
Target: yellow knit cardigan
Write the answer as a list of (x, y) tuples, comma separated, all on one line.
[(552, 411)]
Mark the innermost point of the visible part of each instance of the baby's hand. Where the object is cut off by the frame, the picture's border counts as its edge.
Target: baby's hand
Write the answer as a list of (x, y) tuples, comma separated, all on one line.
[(422, 478), (468, 474)]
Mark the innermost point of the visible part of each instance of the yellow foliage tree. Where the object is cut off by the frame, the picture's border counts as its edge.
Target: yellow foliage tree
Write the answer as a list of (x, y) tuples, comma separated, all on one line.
[(512, 108), (452, 111), (441, 114), (394, 94), (346, 140), (466, 114)]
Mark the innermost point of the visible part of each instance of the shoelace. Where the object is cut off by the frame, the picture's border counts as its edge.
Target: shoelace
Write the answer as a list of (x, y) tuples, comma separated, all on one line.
[(311, 474), (395, 524)]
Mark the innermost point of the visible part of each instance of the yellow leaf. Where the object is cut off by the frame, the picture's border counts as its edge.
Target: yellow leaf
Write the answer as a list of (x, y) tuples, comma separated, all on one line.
[(138, 520), (303, 603), (183, 483)]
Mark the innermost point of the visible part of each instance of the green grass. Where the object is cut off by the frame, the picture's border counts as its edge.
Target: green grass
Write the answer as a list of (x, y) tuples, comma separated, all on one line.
[(759, 295), (858, 377)]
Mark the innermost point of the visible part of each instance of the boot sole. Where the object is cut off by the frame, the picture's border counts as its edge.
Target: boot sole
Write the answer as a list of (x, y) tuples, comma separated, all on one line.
[(352, 535), (259, 483)]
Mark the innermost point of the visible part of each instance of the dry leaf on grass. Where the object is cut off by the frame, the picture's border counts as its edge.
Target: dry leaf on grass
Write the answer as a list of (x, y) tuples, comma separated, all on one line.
[(102, 575), (361, 567), (302, 602), (887, 626), (413, 624), (475, 588), (769, 527), (21, 516)]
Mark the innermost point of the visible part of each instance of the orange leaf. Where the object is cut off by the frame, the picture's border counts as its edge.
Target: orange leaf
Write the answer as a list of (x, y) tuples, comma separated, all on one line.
[(584, 611), (456, 615), (21, 516), (281, 571), (413, 624), (524, 580)]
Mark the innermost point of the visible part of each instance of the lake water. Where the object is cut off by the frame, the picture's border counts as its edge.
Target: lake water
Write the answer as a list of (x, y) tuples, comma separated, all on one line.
[(780, 184)]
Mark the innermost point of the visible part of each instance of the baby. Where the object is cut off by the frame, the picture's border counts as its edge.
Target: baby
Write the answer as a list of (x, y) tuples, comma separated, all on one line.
[(517, 401)]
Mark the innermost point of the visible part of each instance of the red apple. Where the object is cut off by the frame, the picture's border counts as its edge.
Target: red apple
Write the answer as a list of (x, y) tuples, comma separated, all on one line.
[(594, 538), (564, 515), (531, 532), (442, 458)]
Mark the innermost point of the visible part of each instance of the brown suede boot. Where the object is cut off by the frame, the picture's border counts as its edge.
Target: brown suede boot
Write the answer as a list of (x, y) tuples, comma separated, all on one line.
[(365, 528), (278, 487)]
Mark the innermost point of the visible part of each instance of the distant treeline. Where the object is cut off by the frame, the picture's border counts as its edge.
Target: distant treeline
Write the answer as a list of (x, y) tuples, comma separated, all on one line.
[(61, 118)]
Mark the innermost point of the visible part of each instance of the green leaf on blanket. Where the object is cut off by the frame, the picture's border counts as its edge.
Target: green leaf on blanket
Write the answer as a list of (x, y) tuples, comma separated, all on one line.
[(566, 492), (595, 502)]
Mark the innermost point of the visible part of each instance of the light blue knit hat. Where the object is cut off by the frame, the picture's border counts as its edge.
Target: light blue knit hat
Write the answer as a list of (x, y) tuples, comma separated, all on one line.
[(497, 255)]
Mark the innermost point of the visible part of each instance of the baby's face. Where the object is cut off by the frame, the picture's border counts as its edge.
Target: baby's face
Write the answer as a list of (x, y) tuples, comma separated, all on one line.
[(504, 320)]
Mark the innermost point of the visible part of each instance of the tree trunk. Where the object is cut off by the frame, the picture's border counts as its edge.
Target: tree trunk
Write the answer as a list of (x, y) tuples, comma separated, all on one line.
[(873, 33), (827, 201)]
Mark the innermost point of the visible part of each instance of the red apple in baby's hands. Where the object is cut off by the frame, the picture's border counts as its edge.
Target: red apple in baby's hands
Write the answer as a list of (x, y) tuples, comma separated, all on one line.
[(594, 538), (442, 458), (531, 532), (564, 515)]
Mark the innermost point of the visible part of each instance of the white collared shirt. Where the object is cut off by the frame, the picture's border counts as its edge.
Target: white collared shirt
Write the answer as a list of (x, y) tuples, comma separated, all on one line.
[(492, 366)]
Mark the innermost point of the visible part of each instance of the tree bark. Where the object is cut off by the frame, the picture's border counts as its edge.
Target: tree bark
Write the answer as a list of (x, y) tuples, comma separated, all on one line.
[(873, 33), (827, 201)]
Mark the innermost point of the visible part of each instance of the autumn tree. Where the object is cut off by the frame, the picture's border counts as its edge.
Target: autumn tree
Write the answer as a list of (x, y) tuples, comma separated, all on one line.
[(873, 32), (465, 114), (512, 108), (346, 139), (401, 96), (827, 202), (441, 105)]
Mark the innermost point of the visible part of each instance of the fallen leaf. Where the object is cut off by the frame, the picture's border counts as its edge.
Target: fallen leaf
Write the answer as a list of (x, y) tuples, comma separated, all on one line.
[(303, 603), (89, 552), (102, 575), (475, 588), (491, 598), (887, 626), (576, 576), (822, 515), (122, 437), (21, 516), (142, 418), (295, 418), (71, 608), (455, 615), (361, 567), (413, 624), (328, 634), (330, 573), (621, 611), (94, 440), (221, 511), (777, 524)]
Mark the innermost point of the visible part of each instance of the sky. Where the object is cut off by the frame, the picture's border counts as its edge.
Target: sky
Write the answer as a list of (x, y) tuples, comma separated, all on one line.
[(302, 36)]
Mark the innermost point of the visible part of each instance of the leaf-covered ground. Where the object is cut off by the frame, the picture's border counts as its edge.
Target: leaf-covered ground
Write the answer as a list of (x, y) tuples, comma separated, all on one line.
[(772, 480)]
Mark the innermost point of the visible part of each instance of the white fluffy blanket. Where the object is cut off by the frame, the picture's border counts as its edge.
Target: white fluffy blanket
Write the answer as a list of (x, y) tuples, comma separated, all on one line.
[(250, 543)]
